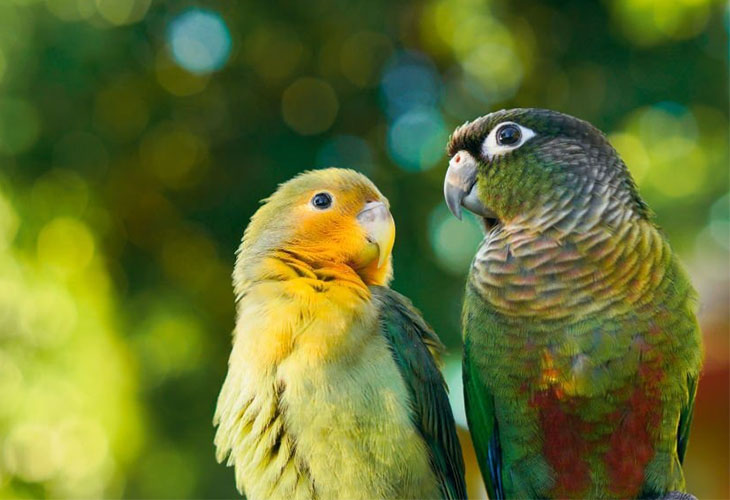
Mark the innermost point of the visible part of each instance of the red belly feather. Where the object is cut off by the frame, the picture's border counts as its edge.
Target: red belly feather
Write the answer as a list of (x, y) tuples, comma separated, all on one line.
[(564, 446), (630, 444)]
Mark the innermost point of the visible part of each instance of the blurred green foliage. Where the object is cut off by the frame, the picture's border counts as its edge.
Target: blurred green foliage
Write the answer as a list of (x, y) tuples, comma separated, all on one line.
[(137, 136)]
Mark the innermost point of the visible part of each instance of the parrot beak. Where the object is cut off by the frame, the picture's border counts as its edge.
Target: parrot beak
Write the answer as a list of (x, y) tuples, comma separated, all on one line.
[(460, 186), (376, 220)]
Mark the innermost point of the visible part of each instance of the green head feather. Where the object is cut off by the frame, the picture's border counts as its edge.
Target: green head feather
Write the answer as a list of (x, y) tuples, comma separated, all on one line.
[(527, 158)]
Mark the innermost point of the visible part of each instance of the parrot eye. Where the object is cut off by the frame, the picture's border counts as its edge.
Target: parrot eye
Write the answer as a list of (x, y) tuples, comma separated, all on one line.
[(504, 138), (508, 135), (322, 201)]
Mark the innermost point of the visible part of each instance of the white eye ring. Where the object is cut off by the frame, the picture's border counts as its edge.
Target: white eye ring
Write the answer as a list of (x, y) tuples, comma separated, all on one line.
[(491, 148)]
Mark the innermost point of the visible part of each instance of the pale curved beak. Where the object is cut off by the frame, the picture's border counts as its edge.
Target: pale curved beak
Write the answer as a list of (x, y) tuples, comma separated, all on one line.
[(376, 220), (460, 186)]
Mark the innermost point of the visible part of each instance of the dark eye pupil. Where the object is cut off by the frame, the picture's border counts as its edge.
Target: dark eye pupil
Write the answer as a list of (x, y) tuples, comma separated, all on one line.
[(322, 200), (508, 135)]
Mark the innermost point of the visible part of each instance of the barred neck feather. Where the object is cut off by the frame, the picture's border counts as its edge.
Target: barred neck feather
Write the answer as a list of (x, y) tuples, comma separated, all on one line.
[(583, 251), (291, 268)]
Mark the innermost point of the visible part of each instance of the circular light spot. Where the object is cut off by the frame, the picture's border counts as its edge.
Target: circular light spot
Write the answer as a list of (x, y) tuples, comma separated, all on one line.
[(3, 65), (665, 120), (633, 154), (463, 94), (362, 57), (453, 241), (309, 106), (9, 223), (720, 232), (719, 225), (49, 316), (16, 26), (83, 446), (181, 476), (416, 139), (346, 151), (174, 155), (273, 51), (30, 452), (653, 22), (121, 110), (82, 152), (190, 244), (71, 10), (169, 342), (497, 68), (120, 12), (199, 40), (65, 244), (176, 80), (59, 192), (19, 125), (11, 381), (410, 81), (677, 162)]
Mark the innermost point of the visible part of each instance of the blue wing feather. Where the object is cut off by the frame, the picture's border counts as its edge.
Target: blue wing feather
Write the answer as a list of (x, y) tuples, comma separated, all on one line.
[(483, 428)]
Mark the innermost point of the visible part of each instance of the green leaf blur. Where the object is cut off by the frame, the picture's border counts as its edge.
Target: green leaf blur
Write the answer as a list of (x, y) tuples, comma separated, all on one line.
[(137, 137)]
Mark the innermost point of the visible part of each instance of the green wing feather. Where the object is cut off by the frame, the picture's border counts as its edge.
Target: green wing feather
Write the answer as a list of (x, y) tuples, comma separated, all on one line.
[(415, 349), (685, 418), (483, 428)]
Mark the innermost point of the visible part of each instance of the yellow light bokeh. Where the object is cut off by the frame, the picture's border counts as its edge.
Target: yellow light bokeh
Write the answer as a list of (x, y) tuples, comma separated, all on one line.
[(9, 223), (3, 65), (663, 149), (137, 137), (170, 344), (486, 48), (60, 192), (121, 108), (19, 125), (362, 57), (175, 79), (71, 10), (31, 453), (173, 154), (273, 51), (454, 242), (650, 22), (309, 106), (119, 12), (68, 418), (633, 153), (65, 244)]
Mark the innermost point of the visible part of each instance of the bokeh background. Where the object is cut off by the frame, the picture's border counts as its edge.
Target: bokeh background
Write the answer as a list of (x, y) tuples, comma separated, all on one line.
[(137, 136)]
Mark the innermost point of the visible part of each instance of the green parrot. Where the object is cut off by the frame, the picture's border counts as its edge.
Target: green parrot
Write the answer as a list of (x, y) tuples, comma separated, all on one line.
[(581, 345), (332, 389)]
